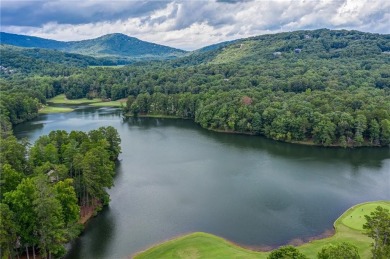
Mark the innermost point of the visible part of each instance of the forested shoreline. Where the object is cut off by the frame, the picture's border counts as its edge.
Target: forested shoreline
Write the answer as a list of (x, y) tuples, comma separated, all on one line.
[(326, 87), (317, 117), (330, 88), (46, 186)]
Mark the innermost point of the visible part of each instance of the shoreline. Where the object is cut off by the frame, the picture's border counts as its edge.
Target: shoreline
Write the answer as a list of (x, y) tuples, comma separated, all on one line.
[(62, 100), (233, 132), (263, 250), (157, 116), (89, 212)]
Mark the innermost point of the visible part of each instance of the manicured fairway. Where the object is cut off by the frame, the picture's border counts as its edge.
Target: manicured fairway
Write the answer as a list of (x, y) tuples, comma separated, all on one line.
[(51, 109), (61, 99), (199, 245), (117, 103), (203, 245), (355, 218)]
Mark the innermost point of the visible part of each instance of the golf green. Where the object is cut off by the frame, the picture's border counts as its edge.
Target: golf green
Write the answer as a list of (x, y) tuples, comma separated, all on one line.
[(354, 217), (348, 228)]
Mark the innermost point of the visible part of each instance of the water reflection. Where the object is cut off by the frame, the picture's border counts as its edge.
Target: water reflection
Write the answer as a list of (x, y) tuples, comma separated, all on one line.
[(102, 229), (357, 157), (175, 178)]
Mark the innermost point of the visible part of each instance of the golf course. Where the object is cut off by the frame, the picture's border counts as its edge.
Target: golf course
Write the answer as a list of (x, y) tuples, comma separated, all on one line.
[(52, 109), (62, 100), (348, 228)]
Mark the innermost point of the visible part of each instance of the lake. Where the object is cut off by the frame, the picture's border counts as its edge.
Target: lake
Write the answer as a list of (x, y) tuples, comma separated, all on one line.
[(175, 177)]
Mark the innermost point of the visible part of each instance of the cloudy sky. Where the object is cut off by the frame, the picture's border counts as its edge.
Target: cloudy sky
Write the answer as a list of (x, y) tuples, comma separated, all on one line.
[(188, 24)]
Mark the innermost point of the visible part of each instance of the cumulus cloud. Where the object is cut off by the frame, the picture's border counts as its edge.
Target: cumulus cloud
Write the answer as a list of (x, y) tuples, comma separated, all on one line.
[(39, 12), (189, 24)]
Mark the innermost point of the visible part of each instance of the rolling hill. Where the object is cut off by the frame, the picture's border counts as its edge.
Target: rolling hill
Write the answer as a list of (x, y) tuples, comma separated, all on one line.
[(110, 45), (313, 46)]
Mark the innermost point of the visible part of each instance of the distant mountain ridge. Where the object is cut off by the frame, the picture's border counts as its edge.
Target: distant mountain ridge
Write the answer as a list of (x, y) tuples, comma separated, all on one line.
[(116, 44), (306, 45), (27, 60)]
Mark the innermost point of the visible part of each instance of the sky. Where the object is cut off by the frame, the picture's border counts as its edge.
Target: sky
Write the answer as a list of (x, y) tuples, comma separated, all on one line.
[(188, 24)]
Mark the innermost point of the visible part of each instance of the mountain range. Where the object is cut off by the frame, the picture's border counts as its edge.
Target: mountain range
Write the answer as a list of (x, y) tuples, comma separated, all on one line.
[(110, 45), (18, 51)]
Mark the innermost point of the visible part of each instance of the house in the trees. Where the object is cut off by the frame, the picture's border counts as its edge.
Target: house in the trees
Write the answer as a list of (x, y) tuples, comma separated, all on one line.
[(53, 176), (277, 54)]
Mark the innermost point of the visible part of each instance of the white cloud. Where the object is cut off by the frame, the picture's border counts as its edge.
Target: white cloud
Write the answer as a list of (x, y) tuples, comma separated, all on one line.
[(193, 24)]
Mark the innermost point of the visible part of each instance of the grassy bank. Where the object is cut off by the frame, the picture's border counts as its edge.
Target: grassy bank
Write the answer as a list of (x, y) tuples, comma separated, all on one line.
[(348, 228)]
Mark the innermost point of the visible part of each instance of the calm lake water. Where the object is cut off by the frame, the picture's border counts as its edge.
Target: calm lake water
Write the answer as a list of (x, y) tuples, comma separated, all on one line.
[(175, 177)]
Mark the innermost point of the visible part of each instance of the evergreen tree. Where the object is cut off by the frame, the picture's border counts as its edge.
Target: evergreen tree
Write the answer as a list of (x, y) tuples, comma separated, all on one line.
[(378, 228)]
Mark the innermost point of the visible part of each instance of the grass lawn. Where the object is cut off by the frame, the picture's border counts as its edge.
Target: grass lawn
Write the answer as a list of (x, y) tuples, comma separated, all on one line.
[(117, 103), (199, 245), (203, 245), (51, 109), (348, 229), (355, 219), (61, 99)]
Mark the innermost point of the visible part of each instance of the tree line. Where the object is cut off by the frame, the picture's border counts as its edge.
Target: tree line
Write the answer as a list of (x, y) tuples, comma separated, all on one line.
[(45, 187), (331, 117), (349, 110)]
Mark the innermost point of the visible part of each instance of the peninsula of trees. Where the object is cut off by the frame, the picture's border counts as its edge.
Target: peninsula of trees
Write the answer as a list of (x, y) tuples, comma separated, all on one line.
[(47, 188)]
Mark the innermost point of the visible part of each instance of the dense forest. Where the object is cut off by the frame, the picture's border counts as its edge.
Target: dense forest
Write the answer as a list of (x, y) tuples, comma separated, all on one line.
[(321, 87), (47, 187)]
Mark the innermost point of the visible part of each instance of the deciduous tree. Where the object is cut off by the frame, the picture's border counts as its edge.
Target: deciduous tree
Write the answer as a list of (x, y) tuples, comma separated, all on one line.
[(286, 252), (340, 251)]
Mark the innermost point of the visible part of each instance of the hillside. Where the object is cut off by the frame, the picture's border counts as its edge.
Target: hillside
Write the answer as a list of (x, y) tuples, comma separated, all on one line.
[(121, 45), (110, 45), (30, 41), (203, 55), (316, 45), (37, 60), (322, 87)]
